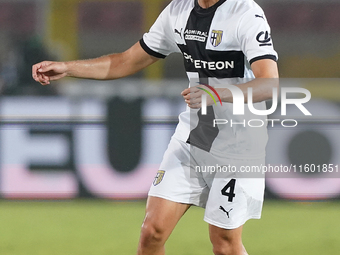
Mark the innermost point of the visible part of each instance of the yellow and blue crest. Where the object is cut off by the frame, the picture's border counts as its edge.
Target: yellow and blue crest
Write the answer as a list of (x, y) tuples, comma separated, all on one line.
[(159, 177), (216, 37)]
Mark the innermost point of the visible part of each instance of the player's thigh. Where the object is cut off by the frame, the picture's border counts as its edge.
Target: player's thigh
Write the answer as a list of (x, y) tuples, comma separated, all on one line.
[(162, 215)]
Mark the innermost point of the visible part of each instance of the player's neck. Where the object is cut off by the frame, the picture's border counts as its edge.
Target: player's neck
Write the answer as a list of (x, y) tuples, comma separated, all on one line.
[(207, 3)]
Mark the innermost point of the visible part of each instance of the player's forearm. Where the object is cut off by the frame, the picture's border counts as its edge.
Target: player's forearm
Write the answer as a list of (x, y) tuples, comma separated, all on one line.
[(262, 89), (102, 68), (112, 66), (267, 78)]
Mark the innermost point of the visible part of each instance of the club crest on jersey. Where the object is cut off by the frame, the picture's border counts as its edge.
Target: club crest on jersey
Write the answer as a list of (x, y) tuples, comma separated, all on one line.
[(216, 37), (159, 177)]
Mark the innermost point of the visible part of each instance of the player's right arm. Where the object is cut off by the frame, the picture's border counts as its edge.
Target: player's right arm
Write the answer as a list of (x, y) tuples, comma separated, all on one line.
[(107, 67)]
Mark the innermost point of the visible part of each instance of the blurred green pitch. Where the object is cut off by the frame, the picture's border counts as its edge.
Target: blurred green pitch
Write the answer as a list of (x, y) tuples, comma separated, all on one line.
[(84, 227)]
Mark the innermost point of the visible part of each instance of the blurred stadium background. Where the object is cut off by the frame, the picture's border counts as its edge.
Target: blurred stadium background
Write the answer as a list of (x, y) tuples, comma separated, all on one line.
[(95, 146)]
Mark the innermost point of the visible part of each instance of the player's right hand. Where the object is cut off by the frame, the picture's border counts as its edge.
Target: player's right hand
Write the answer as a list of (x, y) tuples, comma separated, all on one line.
[(47, 71)]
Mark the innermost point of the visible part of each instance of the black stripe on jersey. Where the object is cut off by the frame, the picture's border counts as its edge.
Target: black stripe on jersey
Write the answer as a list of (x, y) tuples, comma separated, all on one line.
[(204, 134), (272, 57), (196, 36), (150, 51)]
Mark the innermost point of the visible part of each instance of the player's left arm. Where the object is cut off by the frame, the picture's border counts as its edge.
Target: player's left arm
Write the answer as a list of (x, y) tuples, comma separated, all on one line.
[(266, 78), (266, 74)]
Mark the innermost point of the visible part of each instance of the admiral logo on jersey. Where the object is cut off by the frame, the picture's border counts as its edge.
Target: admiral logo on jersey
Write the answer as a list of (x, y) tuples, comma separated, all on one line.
[(216, 37), (195, 35)]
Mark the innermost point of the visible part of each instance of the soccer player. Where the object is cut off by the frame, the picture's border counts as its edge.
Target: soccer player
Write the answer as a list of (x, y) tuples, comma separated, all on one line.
[(222, 41)]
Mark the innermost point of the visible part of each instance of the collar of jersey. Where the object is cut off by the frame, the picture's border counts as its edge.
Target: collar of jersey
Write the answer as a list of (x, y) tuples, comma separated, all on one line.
[(211, 9)]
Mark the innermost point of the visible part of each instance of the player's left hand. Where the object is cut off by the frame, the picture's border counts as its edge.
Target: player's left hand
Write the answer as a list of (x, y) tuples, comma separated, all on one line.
[(193, 97)]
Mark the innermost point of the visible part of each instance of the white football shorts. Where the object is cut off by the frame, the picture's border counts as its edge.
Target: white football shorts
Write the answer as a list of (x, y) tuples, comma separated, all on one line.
[(222, 186)]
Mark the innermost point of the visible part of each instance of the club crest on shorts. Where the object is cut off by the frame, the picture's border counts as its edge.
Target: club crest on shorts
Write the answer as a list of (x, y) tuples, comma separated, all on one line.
[(216, 37), (159, 177)]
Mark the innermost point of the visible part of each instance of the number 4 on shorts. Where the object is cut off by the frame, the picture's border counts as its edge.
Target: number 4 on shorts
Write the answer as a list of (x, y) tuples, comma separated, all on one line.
[(231, 187)]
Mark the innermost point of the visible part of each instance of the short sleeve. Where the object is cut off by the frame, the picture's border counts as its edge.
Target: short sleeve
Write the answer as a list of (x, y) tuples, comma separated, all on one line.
[(159, 41), (254, 35)]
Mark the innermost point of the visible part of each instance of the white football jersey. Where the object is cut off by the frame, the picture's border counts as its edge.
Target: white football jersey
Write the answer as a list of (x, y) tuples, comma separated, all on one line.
[(218, 45)]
